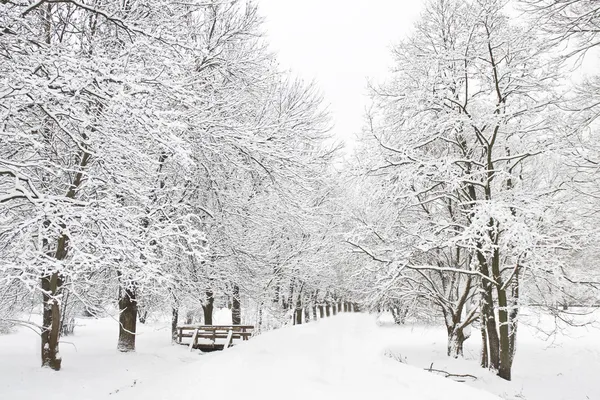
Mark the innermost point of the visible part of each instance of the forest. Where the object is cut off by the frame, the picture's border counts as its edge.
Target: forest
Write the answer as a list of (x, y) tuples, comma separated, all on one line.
[(156, 161)]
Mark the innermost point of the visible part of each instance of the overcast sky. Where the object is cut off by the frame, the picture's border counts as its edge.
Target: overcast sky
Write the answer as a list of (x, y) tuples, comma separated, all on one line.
[(338, 43)]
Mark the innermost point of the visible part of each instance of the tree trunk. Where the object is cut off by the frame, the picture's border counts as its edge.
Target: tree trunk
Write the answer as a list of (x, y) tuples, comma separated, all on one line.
[(334, 309), (174, 321), (236, 312), (504, 370), (208, 308), (298, 311), (306, 314), (327, 311), (399, 315), (51, 322), (127, 320), (488, 318), (321, 312), (314, 312), (484, 348), (456, 339)]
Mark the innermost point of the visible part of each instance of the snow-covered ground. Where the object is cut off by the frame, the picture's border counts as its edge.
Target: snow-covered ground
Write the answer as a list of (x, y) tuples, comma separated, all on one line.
[(564, 366), (340, 357)]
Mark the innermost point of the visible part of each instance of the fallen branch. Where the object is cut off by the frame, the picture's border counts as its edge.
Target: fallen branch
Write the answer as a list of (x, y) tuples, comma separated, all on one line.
[(450, 375)]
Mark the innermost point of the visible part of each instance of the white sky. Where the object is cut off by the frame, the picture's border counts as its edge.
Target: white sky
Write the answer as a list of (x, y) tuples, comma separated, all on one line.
[(339, 44)]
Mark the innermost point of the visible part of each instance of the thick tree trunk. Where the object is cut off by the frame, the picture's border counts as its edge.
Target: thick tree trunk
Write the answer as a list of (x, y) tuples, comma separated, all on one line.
[(208, 308), (314, 312), (488, 318), (456, 340), (327, 310), (298, 311), (127, 320), (174, 321), (51, 322), (51, 287), (236, 312), (322, 312), (334, 309), (504, 369), (484, 347)]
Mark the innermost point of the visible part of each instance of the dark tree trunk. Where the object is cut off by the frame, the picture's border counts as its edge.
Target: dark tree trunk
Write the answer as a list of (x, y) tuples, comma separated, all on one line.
[(488, 318), (127, 320), (298, 311), (327, 310), (306, 314), (334, 309), (51, 322), (236, 312), (174, 321), (456, 340), (321, 312), (314, 313), (484, 351), (208, 308), (51, 287), (505, 366), (339, 307)]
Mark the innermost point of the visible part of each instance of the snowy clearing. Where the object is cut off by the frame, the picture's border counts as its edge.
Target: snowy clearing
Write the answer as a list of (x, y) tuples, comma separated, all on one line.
[(339, 357)]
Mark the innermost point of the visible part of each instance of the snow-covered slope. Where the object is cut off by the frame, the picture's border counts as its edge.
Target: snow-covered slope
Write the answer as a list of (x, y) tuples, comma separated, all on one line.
[(338, 358)]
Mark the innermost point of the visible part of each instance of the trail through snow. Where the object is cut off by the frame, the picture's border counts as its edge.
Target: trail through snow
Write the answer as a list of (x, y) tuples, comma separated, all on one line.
[(338, 358)]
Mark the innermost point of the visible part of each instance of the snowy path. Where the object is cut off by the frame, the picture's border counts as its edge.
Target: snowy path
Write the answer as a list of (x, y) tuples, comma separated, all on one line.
[(338, 358)]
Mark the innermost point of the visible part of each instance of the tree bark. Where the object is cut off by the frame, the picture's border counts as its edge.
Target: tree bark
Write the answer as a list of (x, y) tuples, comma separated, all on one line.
[(488, 317), (236, 312), (208, 308), (127, 319), (456, 340), (321, 312), (484, 347), (51, 322), (298, 311), (174, 321), (327, 310)]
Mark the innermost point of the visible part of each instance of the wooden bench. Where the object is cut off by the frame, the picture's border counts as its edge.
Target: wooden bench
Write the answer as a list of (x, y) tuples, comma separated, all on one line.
[(212, 333)]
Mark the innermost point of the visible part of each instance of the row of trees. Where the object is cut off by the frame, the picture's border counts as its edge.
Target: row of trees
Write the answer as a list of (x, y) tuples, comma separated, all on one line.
[(152, 153), (477, 169)]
